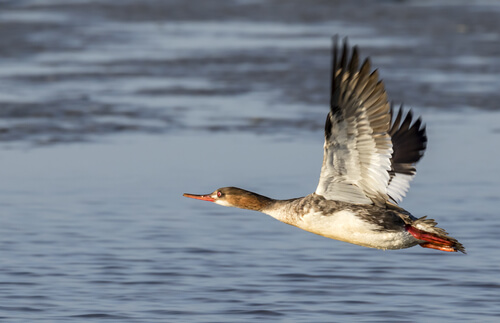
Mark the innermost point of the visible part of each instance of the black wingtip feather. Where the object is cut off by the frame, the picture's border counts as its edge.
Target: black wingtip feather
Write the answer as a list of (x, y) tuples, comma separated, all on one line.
[(409, 140), (333, 85), (343, 59), (353, 65), (328, 126)]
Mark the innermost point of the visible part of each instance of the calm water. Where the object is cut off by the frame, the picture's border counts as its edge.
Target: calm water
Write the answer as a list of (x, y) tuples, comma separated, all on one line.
[(110, 112)]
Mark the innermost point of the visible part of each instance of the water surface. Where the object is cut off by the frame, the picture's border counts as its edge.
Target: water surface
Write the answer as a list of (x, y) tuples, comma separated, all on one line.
[(109, 112)]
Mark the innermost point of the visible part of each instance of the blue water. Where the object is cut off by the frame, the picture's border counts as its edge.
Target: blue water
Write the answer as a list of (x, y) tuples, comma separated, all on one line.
[(108, 113)]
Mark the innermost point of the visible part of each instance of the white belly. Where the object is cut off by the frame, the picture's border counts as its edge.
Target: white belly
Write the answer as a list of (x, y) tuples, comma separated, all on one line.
[(346, 226)]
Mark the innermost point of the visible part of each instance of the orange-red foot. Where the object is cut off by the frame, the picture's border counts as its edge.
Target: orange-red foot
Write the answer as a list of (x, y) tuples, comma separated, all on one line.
[(433, 241), (437, 247)]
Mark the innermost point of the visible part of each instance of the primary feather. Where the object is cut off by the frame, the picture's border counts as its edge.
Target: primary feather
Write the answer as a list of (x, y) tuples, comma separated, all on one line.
[(368, 159)]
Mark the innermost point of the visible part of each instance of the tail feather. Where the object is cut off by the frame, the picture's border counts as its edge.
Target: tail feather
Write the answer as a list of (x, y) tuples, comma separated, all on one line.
[(436, 238)]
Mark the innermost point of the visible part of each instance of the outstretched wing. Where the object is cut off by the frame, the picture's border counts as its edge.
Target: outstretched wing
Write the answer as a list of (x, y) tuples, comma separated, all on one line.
[(358, 148), (408, 143)]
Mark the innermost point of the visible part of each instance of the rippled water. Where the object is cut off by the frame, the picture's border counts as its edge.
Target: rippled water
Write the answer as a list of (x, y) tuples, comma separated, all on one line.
[(109, 112)]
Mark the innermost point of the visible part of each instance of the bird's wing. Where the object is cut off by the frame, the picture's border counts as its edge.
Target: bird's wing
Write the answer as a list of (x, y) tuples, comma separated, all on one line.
[(408, 144), (358, 148)]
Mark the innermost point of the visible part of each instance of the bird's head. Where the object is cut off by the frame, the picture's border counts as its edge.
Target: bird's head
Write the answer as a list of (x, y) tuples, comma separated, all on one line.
[(234, 197)]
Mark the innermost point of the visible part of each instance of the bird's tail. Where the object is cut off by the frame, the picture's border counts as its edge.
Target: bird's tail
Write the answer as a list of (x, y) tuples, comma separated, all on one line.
[(433, 237)]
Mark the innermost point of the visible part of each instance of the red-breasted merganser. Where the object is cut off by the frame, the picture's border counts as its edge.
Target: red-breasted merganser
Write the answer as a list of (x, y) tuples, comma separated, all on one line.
[(369, 160)]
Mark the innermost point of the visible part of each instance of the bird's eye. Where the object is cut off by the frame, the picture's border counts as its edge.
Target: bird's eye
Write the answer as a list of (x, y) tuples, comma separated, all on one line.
[(219, 194)]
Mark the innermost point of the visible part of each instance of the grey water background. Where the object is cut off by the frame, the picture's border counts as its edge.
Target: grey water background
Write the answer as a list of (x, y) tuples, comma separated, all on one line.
[(110, 110)]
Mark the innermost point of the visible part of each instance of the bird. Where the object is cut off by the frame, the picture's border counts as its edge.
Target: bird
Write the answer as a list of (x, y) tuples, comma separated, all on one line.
[(370, 156)]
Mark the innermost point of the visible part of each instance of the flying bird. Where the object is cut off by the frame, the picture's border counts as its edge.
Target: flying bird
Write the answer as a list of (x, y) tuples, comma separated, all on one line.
[(370, 153)]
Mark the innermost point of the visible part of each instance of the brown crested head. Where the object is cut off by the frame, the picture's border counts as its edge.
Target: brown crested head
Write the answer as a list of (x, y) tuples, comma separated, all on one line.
[(235, 197)]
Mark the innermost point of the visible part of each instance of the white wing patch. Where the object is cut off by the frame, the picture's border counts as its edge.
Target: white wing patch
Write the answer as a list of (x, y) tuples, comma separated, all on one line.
[(357, 148), (398, 186), (368, 158)]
